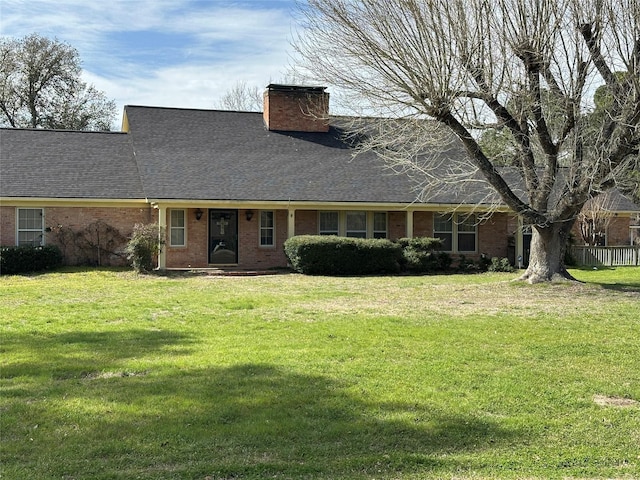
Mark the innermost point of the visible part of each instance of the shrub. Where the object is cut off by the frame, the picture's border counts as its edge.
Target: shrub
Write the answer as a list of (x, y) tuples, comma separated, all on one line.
[(484, 262), (144, 245), (467, 265), (421, 255), (25, 259), (500, 265), (331, 255)]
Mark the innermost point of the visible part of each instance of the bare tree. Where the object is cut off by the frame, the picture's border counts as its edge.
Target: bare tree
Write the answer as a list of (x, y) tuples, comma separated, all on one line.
[(594, 219), (40, 87), (242, 97), (527, 67)]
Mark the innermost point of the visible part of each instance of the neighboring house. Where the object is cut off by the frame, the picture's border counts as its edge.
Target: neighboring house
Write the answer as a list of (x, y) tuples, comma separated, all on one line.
[(230, 188)]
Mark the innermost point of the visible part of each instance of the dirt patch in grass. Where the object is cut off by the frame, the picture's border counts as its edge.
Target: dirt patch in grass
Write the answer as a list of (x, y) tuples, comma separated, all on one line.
[(620, 402)]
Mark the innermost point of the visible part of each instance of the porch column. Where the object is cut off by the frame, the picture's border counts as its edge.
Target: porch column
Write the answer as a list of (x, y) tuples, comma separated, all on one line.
[(291, 223), (162, 225), (409, 223)]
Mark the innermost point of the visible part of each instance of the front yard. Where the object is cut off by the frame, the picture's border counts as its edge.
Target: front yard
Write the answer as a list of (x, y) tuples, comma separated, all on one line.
[(109, 375)]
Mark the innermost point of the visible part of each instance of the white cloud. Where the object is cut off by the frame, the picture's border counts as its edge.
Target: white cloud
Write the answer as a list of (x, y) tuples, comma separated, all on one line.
[(198, 48)]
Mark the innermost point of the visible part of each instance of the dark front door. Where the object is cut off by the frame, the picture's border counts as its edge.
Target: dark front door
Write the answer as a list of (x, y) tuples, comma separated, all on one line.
[(223, 237)]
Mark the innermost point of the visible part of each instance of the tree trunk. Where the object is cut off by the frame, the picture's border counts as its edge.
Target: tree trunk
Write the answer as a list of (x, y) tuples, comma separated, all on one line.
[(548, 248)]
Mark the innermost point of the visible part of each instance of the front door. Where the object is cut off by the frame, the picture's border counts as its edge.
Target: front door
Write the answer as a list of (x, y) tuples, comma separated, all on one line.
[(223, 237)]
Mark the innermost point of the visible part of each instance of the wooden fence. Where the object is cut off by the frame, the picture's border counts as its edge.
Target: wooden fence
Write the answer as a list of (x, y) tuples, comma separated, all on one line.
[(606, 256)]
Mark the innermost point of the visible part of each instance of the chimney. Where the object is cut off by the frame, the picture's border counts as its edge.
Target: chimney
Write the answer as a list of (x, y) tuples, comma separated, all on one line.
[(296, 109)]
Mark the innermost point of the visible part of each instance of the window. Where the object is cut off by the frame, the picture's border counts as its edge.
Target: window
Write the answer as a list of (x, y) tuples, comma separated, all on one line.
[(467, 233), (379, 224), (443, 229), (30, 226), (357, 224), (457, 232), (267, 228), (177, 228), (329, 223)]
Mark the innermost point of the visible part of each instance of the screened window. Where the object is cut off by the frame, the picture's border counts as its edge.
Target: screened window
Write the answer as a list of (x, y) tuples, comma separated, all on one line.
[(267, 228), (467, 233), (380, 225), (443, 229), (329, 223), (30, 226), (177, 228), (357, 224)]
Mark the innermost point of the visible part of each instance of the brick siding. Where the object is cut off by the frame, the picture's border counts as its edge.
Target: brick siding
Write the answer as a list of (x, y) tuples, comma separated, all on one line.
[(83, 234)]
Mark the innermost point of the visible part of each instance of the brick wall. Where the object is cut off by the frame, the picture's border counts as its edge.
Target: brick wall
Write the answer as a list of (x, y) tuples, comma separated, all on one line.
[(85, 235), (618, 232), (306, 222), (195, 253), (7, 226), (251, 254), (423, 224), (296, 109), (493, 234)]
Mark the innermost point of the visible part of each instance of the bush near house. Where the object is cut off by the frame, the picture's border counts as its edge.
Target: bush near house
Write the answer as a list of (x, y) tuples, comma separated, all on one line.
[(26, 259), (330, 255), (423, 255), (144, 245)]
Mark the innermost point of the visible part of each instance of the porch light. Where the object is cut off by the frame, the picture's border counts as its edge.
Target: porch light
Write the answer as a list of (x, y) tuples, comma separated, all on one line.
[(199, 214), (249, 215)]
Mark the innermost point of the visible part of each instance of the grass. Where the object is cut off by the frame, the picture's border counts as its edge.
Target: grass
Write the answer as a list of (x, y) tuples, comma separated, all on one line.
[(108, 375)]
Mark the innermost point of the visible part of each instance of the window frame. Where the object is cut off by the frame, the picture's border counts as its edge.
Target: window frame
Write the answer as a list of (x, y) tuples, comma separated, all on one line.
[(439, 232), (267, 228), (173, 228), (461, 225), (342, 227), (332, 231), (376, 232), (40, 230), (351, 232), (468, 221)]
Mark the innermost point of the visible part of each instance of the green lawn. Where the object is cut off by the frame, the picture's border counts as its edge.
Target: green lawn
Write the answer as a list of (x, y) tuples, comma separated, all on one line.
[(107, 375)]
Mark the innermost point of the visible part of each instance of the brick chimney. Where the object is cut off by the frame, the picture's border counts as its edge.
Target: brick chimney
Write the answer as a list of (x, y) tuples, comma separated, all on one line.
[(296, 109)]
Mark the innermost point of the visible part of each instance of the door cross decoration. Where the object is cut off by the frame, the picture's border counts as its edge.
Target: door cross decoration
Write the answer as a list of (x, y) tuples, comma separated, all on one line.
[(222, 223)]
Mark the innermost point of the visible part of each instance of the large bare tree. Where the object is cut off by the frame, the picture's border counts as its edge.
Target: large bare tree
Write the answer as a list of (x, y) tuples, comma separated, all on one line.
[(40, 87), (529, 68)]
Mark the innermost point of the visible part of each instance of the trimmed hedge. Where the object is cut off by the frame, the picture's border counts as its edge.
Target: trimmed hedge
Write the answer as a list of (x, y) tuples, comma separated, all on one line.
[(331, 255), (26, 259), (422, 255)]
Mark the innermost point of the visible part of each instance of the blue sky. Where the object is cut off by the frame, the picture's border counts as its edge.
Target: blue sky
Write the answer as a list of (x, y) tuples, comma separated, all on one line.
[(178, 53)]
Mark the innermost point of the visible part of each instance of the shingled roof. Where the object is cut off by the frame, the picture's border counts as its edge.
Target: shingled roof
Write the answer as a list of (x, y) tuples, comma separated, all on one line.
[(67, 164), (221, 155), (187, 154)]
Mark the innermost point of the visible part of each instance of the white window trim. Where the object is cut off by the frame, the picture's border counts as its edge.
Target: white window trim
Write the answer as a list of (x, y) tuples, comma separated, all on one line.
[(455, 232), (320, 232), (342, 223), (183, 228), (272, 228), (42, 230), (373, 225), (367, 223)]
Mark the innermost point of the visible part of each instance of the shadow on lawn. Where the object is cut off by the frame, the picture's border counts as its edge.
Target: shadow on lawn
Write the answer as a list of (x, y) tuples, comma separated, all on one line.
[(80, 354), (255, 421)]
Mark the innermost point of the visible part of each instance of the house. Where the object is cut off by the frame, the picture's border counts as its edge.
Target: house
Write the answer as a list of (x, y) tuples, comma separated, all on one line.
[(230, 188)]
